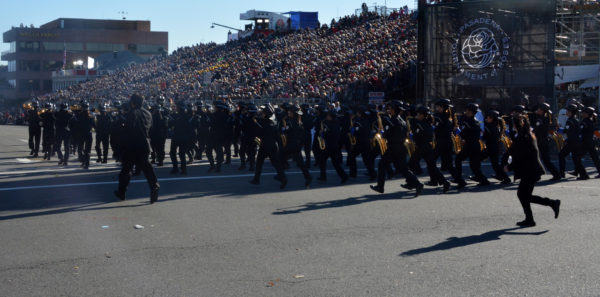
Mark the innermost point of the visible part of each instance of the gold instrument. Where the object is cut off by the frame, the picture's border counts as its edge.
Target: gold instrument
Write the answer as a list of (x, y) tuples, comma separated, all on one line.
[(482, 145), (410, 146), (457, 144), (350, 136), (558, 139), (378, 140), (257, 140), (321, 139), (283, 136), (75, 107), (27, 106), (506, 141)]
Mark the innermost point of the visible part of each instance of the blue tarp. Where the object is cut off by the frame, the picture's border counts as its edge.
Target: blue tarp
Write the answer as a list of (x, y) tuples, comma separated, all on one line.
[(302, 20)]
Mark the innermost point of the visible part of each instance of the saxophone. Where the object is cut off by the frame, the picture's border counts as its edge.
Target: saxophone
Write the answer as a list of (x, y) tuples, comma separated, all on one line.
[(457, 144), (351, 137), (482, 145), (409, 144), (506, 141), (378, 140), (257, 139), (558, 139), (321, 138)]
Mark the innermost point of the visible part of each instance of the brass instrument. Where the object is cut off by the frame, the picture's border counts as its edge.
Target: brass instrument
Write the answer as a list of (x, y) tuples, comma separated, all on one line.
[(27, 106), (558, 139), (409, 144), (482, 145), (410, 147), (457, 144), (321, 139), (75, 107), (283, 136), (378, 140), (350, 136), (506, 141), (257, 139)]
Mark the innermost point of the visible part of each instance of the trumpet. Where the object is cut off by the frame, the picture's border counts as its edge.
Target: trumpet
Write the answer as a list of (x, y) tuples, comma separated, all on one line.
[(321, 139), (506, 141), (351, 137), (457, 144)]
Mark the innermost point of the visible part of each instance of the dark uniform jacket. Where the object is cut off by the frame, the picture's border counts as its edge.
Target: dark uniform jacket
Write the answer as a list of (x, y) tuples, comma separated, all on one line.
[(525, 158), (587, 131), (137, 127), (573, 132)]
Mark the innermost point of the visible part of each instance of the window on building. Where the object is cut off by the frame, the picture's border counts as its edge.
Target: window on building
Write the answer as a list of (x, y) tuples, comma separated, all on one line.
[(60, 46), (12, 66), (12, 82), (105, 47), (28, 47), (13, 47), (150, 48), (29, 85), (28, 65), (52, 65)]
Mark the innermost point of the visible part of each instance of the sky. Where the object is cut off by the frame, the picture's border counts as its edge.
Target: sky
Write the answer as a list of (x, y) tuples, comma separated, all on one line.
[(187, 21)]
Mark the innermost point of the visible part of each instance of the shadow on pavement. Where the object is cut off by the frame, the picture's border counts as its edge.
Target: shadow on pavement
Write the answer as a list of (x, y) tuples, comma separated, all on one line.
[(456, 242)]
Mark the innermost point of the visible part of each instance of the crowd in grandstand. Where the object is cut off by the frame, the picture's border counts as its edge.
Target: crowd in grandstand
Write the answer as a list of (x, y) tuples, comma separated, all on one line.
[(346, 59)]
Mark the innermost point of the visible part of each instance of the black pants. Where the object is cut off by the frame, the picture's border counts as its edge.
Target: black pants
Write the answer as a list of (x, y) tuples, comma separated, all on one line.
[(218, 149), (227, 150), (296, 155), (48, 141), (545, 157), (494, 155), (248, 151), (589, 148), (34, 139), (158, 148), (396, 155), (102, 141), (445, 152), (86, 147), (174, 152), (525, 192), (574, 150), (201, 146), (473, 153), (336, 159), (362, 149), (425, 152), (62, 138), (307, 147), (140, 160), (273, 155)]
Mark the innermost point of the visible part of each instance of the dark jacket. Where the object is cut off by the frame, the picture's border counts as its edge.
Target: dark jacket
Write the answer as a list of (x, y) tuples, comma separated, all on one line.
[(137, 128), (102, 124), (294, 133), (422, 133), (395, 131), (332, 133), (470, 132), (573, 132), (268, 134), (62, 121), (443, 130), (587, 131), (525, 158)]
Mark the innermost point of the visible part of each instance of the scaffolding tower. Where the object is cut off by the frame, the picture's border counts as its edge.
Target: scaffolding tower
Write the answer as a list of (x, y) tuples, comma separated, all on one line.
[(577, 32)]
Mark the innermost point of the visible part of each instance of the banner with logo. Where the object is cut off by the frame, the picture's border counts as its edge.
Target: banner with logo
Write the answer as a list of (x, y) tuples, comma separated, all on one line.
[(488, 49)]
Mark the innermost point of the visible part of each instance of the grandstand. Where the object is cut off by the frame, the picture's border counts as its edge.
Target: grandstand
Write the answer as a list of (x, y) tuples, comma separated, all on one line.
[(344, 60)]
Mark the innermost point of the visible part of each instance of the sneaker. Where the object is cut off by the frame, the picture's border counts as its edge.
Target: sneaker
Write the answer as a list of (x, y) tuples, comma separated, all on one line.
[(556, 208), (377, 189), (119, 195), (526, 224), (154, 194)]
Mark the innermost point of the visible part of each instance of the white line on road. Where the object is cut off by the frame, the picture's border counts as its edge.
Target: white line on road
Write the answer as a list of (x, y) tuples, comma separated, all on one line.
[(24, 140), (169, 179)]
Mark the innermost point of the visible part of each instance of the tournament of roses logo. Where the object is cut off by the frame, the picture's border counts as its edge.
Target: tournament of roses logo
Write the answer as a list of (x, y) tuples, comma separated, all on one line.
[(480, 49)]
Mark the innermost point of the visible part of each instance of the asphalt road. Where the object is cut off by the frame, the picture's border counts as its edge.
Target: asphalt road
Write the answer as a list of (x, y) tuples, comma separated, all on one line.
[(64, 234)]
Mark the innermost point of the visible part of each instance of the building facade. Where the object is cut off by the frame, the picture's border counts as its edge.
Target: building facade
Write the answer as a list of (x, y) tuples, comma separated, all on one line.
[(36, 52)]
